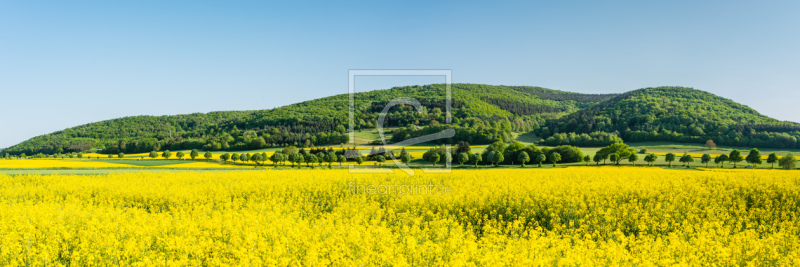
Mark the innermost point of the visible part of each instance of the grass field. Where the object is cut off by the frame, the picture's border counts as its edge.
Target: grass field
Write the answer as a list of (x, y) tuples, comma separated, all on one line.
[(676, 148), (594, 216)]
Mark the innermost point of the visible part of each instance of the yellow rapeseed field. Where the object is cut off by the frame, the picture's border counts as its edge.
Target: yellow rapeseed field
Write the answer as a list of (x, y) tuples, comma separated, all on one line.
[(527, 217), (56, 163), (207, 165), (92, 164)]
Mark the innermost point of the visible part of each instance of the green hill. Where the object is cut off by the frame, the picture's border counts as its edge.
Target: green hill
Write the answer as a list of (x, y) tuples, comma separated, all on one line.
[(675, 114), (482, 114)]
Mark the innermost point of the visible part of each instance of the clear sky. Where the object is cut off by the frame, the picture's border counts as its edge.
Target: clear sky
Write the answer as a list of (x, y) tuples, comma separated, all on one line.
[(67, 63)]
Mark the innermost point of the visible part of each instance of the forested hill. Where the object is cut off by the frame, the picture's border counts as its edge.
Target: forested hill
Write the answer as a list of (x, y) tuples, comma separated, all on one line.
[(675, 114), (483, 113)]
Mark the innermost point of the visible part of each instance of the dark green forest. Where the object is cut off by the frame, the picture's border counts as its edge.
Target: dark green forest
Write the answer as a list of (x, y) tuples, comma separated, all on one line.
[(676, 114), (481, 114)]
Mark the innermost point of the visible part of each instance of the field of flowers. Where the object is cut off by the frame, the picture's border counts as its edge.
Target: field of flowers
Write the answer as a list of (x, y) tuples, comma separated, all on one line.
[(57, 163), (115, 164), (571, 216)]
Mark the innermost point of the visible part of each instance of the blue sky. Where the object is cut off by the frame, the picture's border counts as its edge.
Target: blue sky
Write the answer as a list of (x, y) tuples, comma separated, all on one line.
[(66, 63)]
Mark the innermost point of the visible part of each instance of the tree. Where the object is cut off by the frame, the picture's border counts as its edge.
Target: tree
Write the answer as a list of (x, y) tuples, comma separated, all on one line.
[(208, 156), (244, 157), (686, 159), (622, 150), (705, 159), (723, 158), (194, 154), (166, 154), (341, 159), (234, 157), (499, 157), (787, 162), (523, 157), (735, 157), (495, 157), (382, 159), (275, 158), (225, 157), (754, 157), (405, 158), (463, 157), (587, 159), (614, 158), (255, 158), (568, 153), (289, 150), (772, 159), (539, 159), (360, 160), (597, 158), (294, 157), (153, 155), (258, 143), (300, 159), (179, 155), (710, 144), (283, 158), (669, 158), (554, 158), (80, 155), (633, 158), (463, 147), (310, 159), (331, 157), (650, 159), (476, 158), (121, 155), (321, 156), (434, 158)]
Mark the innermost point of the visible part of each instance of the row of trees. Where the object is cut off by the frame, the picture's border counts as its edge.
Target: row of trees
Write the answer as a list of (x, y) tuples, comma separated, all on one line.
[(502, 153), (297, 157), (618, 152), (179, 155), (496, 154), (592, 139)]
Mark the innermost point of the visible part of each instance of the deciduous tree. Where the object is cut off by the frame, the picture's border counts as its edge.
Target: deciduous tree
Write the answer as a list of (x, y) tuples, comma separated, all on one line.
[(735, 157), (523, 157), (669, 158), (772, 159), (705, 159), (787, 162), (754, 157), (555, 158)]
